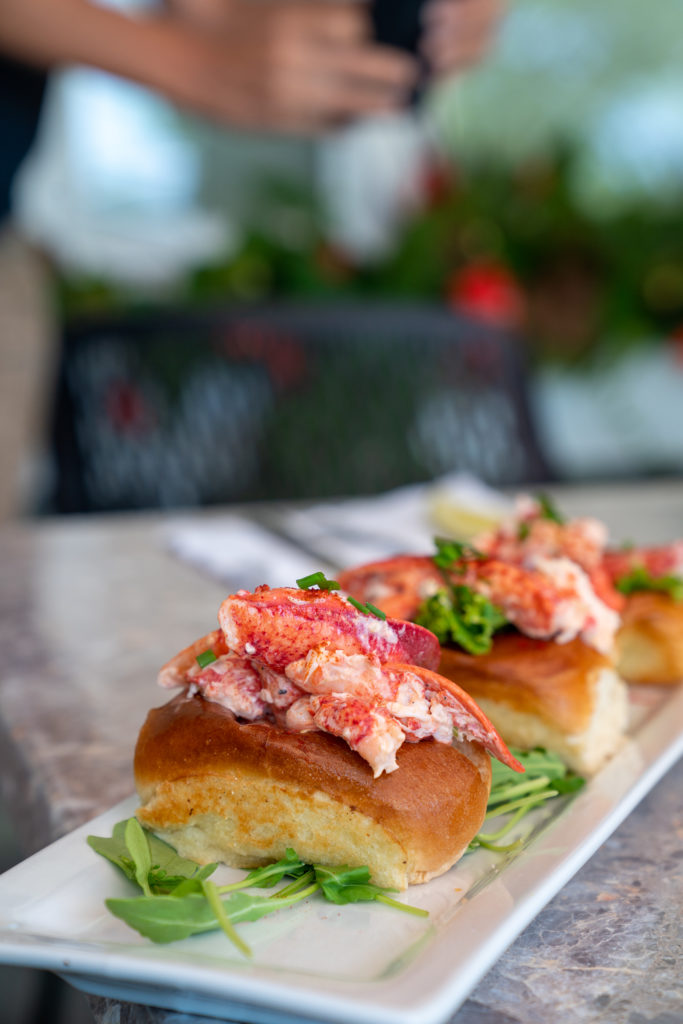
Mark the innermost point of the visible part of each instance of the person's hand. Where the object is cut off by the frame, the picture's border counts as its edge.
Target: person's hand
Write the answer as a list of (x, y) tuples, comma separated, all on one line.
[(457, 33), (296, 66)]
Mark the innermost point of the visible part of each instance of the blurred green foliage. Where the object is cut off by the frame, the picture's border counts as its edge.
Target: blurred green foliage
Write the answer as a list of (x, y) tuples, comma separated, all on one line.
[(587, 285)]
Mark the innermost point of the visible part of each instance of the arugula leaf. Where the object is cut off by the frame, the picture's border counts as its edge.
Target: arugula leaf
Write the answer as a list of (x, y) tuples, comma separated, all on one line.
[(459, 615), (138, 847), (114, 849), (344, 884), (213, 899), (167, 869), (270, 874), (545, 777), (169, 918), (641, 578), (176, 906), (537, 762)]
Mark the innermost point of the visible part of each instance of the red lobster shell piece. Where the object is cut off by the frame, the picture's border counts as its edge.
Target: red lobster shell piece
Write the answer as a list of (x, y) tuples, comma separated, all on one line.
[(659, 561), (281, 625), (174, 672), (396, 585), (468, 716)]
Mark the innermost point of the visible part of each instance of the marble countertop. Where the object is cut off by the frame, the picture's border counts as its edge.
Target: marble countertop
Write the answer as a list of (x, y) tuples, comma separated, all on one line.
[(89, 609)]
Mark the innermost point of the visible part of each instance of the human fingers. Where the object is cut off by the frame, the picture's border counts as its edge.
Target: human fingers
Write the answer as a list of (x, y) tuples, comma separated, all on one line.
[(458, 32), (343, 23), (376, 67), (318, 98)]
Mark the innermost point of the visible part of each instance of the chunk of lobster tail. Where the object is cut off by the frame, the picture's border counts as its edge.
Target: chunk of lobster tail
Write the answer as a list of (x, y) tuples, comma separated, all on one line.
[(175, 672), (468, 719), (281, 625)]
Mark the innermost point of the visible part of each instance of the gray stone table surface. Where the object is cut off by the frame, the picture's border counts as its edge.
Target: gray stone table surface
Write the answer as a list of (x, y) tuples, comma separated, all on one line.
[(89, 609)]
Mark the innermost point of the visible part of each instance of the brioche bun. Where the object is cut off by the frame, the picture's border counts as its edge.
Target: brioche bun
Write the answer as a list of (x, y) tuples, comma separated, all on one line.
[(221, 790), (650, 640), (565, 697)]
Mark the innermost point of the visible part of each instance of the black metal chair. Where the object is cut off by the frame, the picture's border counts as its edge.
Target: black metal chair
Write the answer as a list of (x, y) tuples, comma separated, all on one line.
[(195, 408)]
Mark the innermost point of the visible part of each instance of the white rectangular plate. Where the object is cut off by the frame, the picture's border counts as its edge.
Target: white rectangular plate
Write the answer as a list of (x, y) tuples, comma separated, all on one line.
[(364, 962)]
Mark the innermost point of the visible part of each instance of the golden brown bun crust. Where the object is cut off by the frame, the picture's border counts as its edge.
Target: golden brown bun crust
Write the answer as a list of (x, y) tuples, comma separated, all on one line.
[(197, 767), (650, 641), (551, 681)]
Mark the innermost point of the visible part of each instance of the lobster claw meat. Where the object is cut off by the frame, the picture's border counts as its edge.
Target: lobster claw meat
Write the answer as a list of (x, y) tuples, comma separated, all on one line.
[(281, 625)]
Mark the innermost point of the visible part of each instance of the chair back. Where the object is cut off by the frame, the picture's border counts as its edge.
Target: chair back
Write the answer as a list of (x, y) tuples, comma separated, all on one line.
[(284, 402)]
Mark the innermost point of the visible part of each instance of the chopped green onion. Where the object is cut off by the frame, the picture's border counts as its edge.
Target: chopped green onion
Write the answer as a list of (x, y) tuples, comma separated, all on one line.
[(375, 610), (205, 658), (317, 579), (367, 609)]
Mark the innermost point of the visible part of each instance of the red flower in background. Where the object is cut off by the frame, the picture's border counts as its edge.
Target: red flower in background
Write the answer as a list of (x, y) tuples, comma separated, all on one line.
[(676, 339), (437, 181), (488, 292), (127, 409)]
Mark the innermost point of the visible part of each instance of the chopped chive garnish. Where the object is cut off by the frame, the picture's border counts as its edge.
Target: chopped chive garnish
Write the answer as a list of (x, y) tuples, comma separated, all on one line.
[(205, 658), (367, 609), (317, 579)]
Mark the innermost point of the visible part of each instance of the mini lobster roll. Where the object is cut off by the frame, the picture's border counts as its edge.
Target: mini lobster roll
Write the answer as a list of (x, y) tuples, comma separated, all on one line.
[(650, 638), (311, 721), (524, 628)]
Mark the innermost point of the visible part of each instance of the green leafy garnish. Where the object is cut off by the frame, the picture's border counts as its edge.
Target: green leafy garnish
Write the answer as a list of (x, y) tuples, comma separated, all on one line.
[(549, 509), (206, 658), (523, 530), (317, 579), (456, 614), (210, 892), (459, 615), (168, 870), (344, 884), (641, 578), (177, 906), (271, 874), (449, 552), (169, 918), (545, 777), (138, 846)]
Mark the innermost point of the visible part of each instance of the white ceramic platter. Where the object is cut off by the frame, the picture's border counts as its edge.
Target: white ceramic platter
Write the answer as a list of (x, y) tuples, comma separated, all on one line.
[(365, 962)]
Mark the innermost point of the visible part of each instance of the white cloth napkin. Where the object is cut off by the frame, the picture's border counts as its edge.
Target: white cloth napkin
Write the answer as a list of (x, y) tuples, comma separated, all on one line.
[(330, 535), (238, 552), (402, 521)]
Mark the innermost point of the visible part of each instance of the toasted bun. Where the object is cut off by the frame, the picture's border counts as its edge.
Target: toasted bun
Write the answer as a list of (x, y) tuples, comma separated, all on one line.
[(241, 793), (650, 641), (564, 697)]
